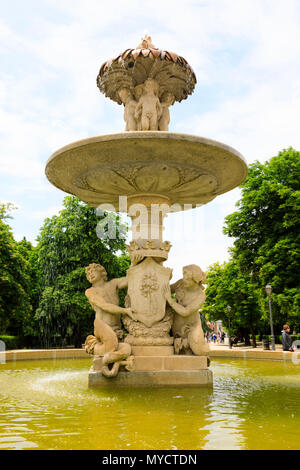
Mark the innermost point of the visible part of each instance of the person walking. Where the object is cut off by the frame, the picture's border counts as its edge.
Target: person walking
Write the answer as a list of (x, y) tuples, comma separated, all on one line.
[(286, 339)]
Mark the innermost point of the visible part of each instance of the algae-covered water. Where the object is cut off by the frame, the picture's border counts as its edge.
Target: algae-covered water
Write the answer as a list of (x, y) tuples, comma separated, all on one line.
[(48, 405)]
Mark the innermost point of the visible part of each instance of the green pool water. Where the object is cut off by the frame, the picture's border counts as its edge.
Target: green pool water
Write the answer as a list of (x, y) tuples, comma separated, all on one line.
[(48, 405)]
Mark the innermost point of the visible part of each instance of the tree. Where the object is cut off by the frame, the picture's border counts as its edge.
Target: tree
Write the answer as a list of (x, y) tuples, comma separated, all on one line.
[(30, 254), (267, 235), (5, 209), (227, 285), (66, 245), (15, 306)]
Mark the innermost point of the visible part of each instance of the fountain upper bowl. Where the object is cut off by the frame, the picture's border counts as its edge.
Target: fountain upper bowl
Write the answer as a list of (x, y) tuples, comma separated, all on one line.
[(189, 170)]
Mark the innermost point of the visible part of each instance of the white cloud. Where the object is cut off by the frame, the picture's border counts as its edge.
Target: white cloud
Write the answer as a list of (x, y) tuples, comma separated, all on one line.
[(49, 212)]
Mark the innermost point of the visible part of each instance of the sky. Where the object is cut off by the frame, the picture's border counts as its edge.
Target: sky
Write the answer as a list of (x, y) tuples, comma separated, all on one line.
[(246, 56)]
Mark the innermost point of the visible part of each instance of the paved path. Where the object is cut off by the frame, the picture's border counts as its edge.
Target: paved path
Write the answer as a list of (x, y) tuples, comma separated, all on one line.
[(248, 352), (241, 347)]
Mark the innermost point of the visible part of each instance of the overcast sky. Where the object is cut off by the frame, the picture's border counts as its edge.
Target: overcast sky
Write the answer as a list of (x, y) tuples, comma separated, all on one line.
[(246, 56)]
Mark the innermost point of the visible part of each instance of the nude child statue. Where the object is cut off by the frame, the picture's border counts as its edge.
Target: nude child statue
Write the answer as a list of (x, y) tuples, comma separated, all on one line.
[(103, 297), (187, 328), (129, 109), (149, 109), (167, 100), (138, 91)]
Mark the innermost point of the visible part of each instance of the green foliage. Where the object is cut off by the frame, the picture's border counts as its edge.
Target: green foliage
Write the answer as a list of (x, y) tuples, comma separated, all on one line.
[(66, 245), (227, 285), (11, 342), (266, 251), (15, 306), (293, 337), (5, 210), (267, 234)]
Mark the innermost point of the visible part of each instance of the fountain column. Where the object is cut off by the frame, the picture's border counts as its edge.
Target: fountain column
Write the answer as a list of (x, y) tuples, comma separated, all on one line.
[(147, 213)]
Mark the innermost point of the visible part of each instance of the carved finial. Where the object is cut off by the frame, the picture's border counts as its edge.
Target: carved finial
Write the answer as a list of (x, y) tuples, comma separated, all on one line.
[(146, 43)]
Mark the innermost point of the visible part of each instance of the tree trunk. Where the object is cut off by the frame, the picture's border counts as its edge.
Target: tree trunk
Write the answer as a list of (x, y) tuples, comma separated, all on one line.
[(77, 337), (252, 334)]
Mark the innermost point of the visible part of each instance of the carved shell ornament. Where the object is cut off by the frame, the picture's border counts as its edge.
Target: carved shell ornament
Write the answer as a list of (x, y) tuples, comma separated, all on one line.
[(142, 177), (133, 66)]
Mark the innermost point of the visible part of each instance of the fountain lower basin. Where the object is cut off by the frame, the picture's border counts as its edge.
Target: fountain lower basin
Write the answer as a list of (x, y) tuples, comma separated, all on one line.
[(46, 404)]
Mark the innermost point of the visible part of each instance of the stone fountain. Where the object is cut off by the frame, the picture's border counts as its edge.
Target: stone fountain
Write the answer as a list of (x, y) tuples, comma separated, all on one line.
[(147, 172)]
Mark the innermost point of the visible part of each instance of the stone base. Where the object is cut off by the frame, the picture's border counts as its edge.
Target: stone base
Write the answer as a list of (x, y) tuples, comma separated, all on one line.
[(155, 371), (152, 350), (176, 363), (162, 378)]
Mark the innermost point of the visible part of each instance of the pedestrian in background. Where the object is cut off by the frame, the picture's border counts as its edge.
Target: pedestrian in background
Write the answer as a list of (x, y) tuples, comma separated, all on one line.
[(286, 339)]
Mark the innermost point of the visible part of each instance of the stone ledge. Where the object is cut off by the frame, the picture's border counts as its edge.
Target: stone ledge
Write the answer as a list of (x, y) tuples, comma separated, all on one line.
[(191, 378), (252, 354), (152, 350), (36, 354), (177, 363)]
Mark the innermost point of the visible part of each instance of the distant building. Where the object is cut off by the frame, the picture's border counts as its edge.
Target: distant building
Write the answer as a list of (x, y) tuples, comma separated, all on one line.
[(215, 326)]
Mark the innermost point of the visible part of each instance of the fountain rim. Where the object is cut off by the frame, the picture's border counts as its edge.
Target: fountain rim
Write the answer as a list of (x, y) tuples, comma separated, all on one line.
[(144, 135)]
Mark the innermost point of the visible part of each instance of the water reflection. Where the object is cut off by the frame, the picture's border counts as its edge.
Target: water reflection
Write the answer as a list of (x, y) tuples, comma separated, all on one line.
[(47, 405)]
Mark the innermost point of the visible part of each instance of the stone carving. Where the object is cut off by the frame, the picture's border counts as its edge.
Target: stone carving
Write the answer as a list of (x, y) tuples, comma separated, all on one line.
[(138, 91), (103, 297), (146, 43), (148, 301), (146, 73), (105, 343), (176, 181), (167, 100), (134, 66), (156, 335), (129, 109), (140, 249), (148, 110), (149, 284), (187, 328), (161, 172)]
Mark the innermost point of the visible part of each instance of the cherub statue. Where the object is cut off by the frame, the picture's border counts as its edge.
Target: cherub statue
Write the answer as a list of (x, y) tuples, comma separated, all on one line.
[(138, 91), (149, 109), (104, 298), (167, 100), (187, 328), (129, 109)]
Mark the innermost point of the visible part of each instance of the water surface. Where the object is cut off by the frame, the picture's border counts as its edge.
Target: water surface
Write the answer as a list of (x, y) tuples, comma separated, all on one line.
[(48, 405)]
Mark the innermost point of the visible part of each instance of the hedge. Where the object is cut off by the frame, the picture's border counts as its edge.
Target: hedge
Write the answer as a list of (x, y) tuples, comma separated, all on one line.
[(278, 338), (11, 342)]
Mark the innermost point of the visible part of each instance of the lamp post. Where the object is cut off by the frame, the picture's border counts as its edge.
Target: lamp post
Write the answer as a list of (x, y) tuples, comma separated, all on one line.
[(269, 292), (229, 335)]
